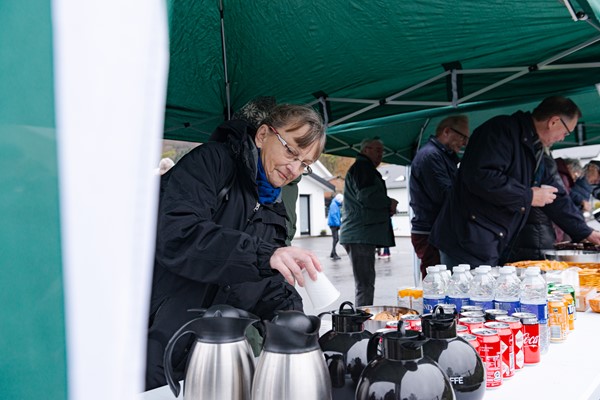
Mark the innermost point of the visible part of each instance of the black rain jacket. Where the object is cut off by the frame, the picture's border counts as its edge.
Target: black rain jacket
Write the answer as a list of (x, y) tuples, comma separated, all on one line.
[(210, 251)]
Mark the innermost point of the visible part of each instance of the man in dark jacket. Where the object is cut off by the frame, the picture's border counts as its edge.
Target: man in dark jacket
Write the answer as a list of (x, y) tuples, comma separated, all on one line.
[(222, 228), (498, 182), (432, 174), (366, 223)]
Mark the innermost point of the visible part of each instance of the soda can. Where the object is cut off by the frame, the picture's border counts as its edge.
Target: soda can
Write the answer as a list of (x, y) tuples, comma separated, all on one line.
[(411, 322), (570, 303), (492, 313), (517, 329), (489, 351), (557, 319), (472, 314), (571, 291), (471, 339), (449, 308), (471, 307), (391, 324), (461, 329), (472, 323), (531, 337), (507, 349)]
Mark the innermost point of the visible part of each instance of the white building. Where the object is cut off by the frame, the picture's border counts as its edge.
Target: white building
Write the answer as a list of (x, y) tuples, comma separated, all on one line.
[(310, 207), (396, 181)]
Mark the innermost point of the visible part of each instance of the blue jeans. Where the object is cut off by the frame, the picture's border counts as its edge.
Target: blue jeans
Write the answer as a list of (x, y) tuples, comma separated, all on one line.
[(362, 257)]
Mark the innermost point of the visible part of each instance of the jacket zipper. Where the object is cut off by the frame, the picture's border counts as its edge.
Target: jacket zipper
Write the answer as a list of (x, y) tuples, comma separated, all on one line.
[(256, 208)]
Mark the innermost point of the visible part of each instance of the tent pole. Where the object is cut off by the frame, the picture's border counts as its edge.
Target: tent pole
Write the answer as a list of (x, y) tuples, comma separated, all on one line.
[(224, 49)]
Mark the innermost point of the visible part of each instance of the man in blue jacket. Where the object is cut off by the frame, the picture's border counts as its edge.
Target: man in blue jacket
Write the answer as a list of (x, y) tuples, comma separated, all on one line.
[(500, 178), (432, 174), (334, 220)]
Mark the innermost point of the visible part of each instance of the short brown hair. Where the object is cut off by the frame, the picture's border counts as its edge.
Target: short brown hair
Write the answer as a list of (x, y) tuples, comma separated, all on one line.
[(295, 117), (556, 105)]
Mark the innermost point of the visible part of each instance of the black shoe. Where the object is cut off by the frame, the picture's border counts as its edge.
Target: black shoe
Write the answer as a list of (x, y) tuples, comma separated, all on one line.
[(335, 257)]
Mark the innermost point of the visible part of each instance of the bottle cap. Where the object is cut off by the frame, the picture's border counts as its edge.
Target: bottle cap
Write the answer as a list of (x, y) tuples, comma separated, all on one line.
[(433, 268)]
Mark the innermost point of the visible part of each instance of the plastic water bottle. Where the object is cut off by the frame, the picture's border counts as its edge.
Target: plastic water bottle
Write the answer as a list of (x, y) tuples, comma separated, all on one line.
[(508, 289), (445, 273), (534, 299), (458, 288), (483, 288), (434, 289), (467, 268)]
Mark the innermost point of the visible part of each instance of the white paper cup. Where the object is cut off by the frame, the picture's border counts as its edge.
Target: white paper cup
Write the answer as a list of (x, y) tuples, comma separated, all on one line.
[(321, 292)]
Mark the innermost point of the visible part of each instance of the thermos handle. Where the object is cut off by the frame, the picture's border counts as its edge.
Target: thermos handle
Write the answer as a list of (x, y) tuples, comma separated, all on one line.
[(347, 303), (372, 346), (175, 388), (337, 370)]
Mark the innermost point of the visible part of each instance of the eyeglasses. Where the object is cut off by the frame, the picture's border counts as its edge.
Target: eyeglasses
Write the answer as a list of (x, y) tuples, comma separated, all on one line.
[(566, 127), (462, 135), (291, 154)]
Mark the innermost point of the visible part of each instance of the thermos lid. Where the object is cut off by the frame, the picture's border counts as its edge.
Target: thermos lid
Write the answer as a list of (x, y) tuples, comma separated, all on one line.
[(348, 319), (439, 324), (222, 324), (292, 332)]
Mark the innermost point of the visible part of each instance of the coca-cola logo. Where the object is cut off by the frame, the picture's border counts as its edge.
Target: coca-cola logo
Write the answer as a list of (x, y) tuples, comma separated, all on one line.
[(530, 340)]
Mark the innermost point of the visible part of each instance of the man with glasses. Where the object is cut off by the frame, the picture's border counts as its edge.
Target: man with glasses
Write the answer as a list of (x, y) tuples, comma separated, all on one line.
[(501, 177), (432, 175), (366, 223)]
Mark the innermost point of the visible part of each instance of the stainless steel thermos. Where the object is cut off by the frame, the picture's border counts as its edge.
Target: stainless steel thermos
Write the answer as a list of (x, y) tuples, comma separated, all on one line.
[(291, 365), (221, 363)]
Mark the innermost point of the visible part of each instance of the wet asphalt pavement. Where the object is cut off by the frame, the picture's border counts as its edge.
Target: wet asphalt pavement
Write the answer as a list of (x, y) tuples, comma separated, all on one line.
[(390, 274)]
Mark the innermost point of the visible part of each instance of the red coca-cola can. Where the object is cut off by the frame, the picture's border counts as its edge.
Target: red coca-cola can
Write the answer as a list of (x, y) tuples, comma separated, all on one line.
[(472, 323), (507, 349), (471, 308), (517, 329), (531, 338), (492, 313), (471, 339), (472, 314), (411, 322), (489, 351), (461, 329)]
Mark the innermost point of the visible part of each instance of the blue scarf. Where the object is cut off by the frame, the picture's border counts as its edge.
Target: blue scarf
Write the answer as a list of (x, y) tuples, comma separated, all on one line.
[(267, 193)]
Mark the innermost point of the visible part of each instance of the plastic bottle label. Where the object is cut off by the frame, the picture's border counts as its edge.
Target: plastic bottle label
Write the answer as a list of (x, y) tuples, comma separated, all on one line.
[(484, 304), (510, 306), (430, 303), (458, 302), (540, 310)]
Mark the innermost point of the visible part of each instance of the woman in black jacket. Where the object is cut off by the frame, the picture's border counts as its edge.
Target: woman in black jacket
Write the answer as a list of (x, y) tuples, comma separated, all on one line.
[(222, 227)]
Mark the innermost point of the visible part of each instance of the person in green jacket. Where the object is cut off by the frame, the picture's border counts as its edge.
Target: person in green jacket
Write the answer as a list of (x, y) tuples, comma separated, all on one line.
[(366, 223)]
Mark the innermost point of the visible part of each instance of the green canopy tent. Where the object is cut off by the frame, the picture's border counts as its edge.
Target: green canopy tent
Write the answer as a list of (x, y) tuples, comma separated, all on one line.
[(376, 67)]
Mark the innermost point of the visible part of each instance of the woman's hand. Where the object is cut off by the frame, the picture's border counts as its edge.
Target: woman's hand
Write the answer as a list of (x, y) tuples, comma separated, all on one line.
[(290, 261)]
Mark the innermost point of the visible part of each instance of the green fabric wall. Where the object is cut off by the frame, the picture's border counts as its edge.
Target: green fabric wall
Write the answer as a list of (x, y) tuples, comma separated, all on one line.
[(32, 329)]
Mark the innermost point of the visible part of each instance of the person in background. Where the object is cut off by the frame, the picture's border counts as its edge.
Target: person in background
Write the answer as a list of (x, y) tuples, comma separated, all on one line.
[(500, 179), (569, 170), (538, 233), (164, 165), (221, 228), (432, 174), (366, 223), (334, 220), (581, 192), (383, 253)]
